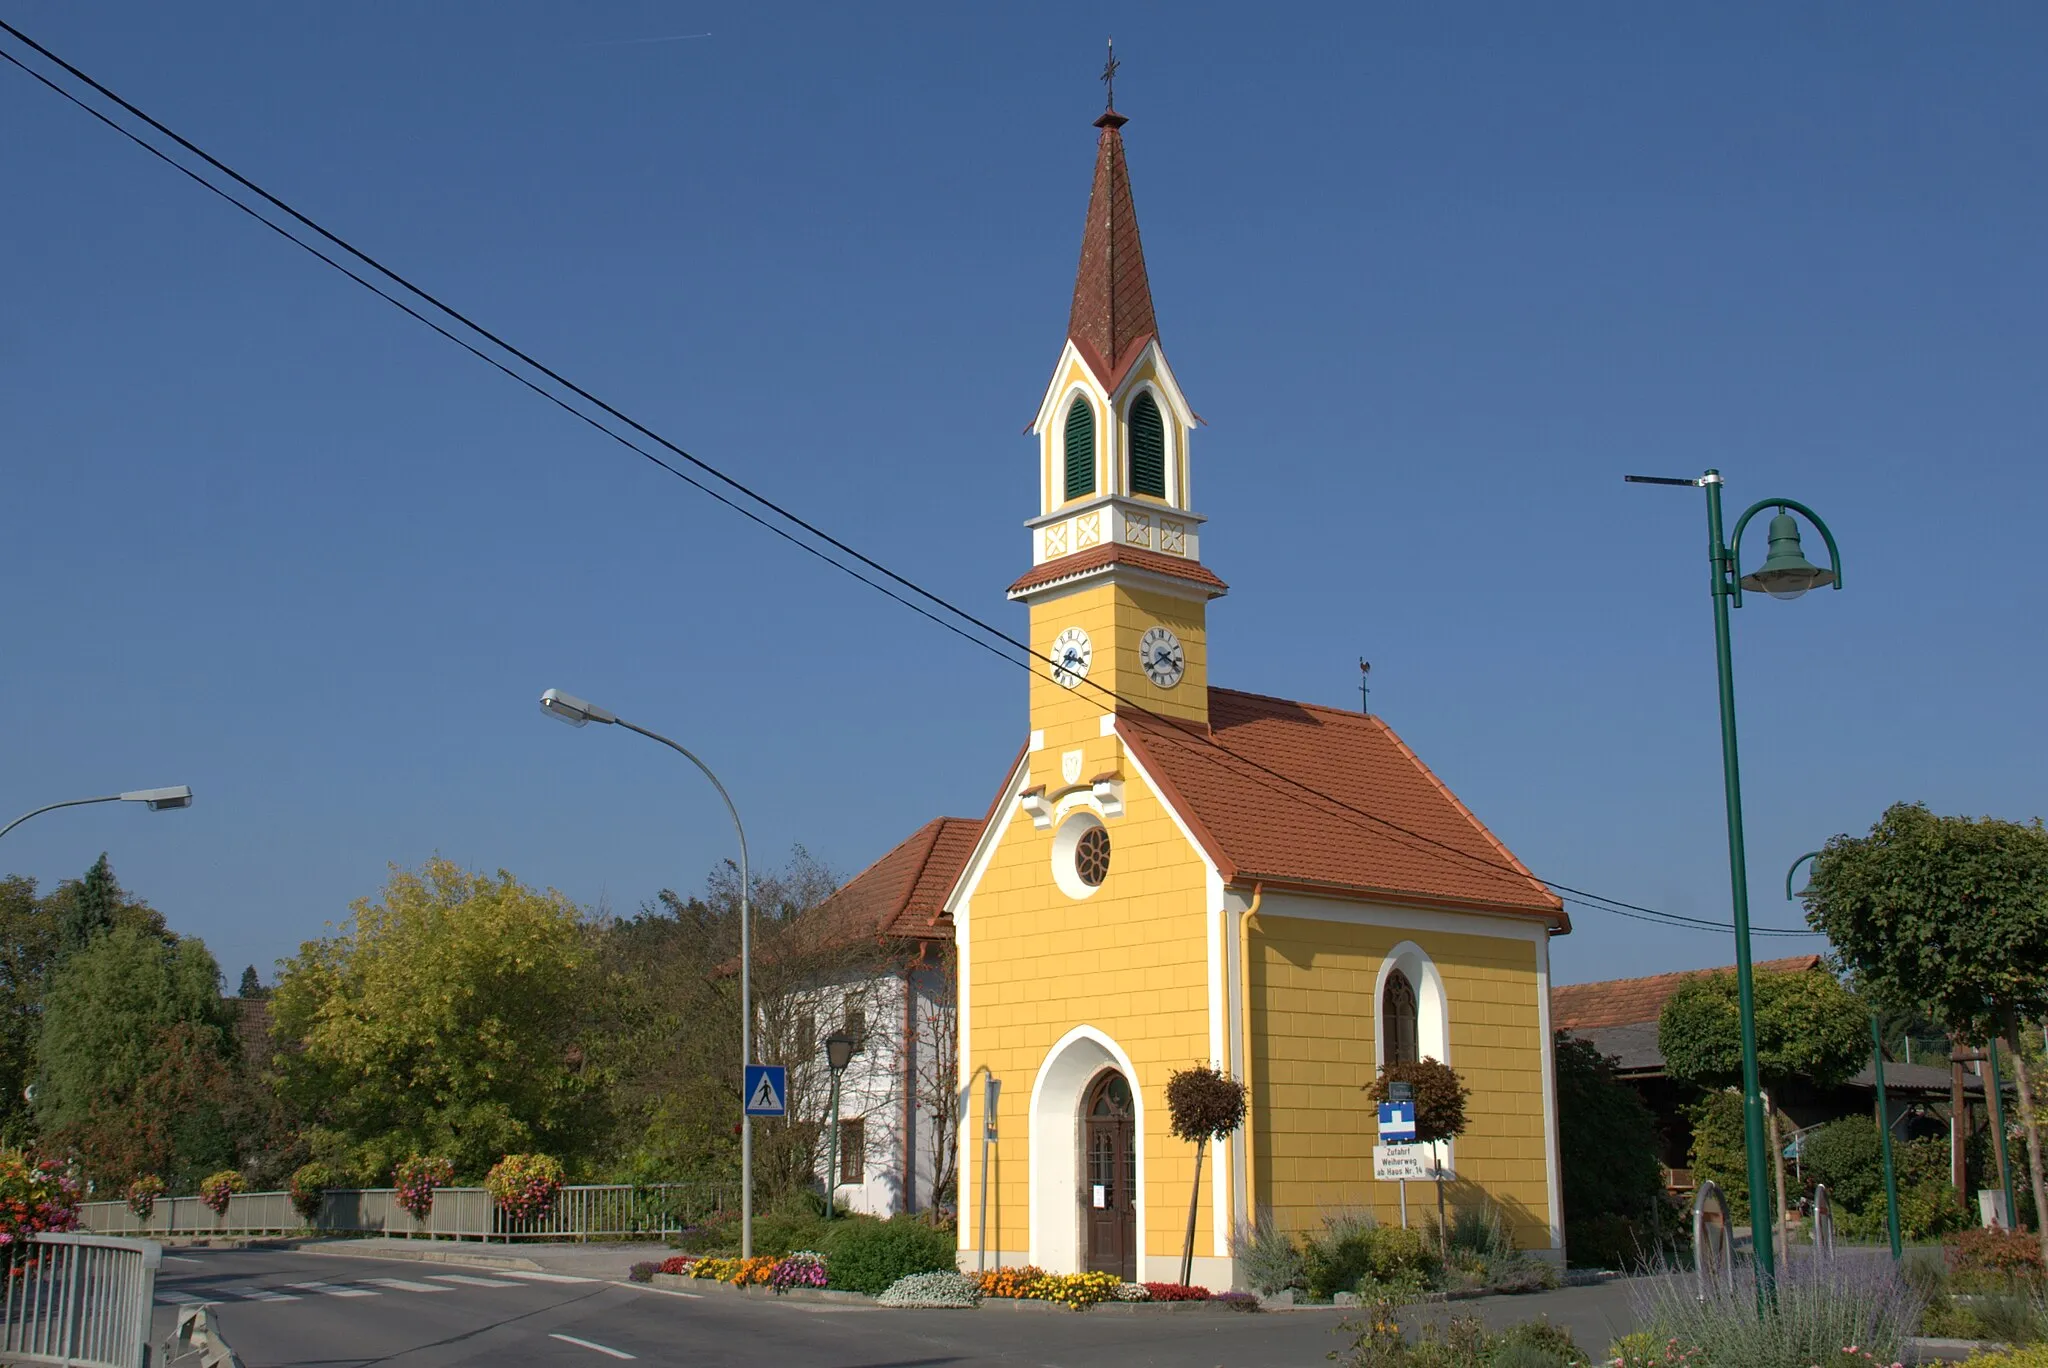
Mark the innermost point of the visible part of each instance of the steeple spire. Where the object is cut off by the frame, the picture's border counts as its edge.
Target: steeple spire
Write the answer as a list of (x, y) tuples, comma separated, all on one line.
[(1112, 317)]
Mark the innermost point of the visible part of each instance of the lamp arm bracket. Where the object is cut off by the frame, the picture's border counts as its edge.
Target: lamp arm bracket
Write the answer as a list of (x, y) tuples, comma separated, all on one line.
[(1809, 855), (1735, 541)]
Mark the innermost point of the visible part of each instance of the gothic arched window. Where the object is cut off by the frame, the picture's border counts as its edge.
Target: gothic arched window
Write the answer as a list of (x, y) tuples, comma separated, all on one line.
[(1398, 1018), (1080, 448), (1148, 448)]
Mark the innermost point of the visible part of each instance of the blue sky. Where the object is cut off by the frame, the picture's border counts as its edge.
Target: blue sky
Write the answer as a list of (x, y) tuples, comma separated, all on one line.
[(1437, 277)]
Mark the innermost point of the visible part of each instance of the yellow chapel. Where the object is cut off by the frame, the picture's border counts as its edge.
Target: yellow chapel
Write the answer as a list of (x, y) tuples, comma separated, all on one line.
[(1175, 873)]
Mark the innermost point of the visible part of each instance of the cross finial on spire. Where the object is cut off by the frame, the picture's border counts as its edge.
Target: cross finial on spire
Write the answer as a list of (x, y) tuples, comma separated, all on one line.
[(1109, 78)]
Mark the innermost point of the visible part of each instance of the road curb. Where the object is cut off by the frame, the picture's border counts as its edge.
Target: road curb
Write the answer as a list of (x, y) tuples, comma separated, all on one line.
[(444, 1256)]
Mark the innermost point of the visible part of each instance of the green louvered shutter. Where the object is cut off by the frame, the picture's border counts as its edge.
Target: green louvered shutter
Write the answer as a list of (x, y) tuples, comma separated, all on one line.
[(1148, 449), (1080, 449)]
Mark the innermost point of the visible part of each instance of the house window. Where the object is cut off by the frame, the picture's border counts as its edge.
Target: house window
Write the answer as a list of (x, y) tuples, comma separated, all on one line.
[(1091, 857), (853, 1151), (1148, 448), (1398, 1020), (1080, 448), (857, 1022)]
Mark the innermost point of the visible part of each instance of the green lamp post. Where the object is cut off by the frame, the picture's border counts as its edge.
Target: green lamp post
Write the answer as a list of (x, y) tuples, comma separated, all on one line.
[(839, 1048), (1884, 1111), (1785, 574)]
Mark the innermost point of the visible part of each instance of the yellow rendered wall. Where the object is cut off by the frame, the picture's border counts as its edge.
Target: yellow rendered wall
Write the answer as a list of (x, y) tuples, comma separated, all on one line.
[(1131, 961), (1116, 617), (1312, 1053)]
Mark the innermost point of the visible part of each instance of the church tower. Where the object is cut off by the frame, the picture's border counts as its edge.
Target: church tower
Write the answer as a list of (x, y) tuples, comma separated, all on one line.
[(1117, 590)]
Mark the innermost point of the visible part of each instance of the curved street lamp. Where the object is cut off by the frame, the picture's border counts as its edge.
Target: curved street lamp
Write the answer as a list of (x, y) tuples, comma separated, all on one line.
[(156, 799), (1785, 574), (574, 711)]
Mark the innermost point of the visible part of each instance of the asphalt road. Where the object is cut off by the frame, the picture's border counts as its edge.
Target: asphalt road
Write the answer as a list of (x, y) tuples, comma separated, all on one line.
[(281, 1307)]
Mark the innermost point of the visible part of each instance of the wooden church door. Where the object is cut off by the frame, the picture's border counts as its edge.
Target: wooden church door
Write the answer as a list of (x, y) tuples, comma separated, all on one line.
[(1109, 1195)]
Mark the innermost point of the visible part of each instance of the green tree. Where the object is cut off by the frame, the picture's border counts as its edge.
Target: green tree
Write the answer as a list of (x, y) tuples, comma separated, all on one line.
[(1807, 1026), (109, 1010), (1202, 1104), (442, 1019), (1440, 1096), (28, 947), (1607, 1145), (1951, 914), (91, 912), (252, 985)]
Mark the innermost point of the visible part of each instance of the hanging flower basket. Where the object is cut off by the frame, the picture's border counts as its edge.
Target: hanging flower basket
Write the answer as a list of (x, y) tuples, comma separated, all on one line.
[(416, 1180), (524, 1185)]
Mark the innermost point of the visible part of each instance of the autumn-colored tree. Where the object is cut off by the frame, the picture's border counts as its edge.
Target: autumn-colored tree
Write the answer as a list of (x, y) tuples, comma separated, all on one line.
[(1949, 914), (1202, 1104), (442, 1018)]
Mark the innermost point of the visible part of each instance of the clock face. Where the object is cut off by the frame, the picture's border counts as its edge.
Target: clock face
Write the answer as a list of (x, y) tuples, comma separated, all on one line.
[(1071, 652), (1159, 652)]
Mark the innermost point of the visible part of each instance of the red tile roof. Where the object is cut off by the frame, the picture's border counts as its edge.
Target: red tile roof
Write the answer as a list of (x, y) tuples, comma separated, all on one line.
[(1637, 1001), (1101, 557), (904, 893), (1112, 317), (1293, 809)]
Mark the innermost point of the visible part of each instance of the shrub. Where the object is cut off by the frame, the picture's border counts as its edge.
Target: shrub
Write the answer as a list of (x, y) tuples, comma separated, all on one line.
[(780, 1232), (1170, 1292), (1481, 1230), (142, 1194), (309, 1182), (1820, 1308), (1641, 1349), (937, 1289), (1848, 1156), (1394, 1255), (717, 1231), (2010, 1252), (644, 1271), (218, 1188), (416, 1178), (2031, 1356), (1266, 1256), (1541, 1336), (868, 1255), (1336, 1258), (524, 1185)]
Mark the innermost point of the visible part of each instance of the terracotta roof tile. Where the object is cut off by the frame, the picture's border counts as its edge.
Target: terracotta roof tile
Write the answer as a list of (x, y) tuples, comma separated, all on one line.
[(1100, 557), (1636, 1001), (1112, 317), (904, 892), (1291, 810)]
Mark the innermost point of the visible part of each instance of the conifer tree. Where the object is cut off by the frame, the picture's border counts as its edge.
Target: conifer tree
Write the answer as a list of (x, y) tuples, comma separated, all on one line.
[(91, 912)]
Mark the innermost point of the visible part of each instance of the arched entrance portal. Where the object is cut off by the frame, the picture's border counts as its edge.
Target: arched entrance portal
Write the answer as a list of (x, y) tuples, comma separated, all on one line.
[(1109, 1194)]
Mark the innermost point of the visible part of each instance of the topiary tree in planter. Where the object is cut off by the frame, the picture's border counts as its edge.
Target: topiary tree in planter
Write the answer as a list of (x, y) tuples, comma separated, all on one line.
[(1440, 1096), (1202, 1104)]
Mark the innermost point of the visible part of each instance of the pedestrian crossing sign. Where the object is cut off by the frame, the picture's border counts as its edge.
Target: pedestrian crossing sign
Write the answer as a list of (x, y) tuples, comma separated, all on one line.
[(767, 1090)]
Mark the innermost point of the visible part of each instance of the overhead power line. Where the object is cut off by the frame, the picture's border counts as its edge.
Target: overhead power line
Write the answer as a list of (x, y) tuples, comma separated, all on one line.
[(879, 577)]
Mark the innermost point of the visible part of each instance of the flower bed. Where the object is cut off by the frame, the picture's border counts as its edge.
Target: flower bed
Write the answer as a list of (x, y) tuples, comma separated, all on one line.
[(942, 1290), (1075, 1291), (740, 1272), (803, 1268), (1175, 1292)]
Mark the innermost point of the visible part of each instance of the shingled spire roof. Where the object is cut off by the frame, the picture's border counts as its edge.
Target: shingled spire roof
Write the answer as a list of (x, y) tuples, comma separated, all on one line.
[(1112, 318)]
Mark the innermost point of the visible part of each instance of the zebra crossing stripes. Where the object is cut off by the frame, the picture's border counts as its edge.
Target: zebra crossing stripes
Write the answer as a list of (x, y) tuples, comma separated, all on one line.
[(406, 1285), (333, 1289), (467, 1281), (248, 1291)]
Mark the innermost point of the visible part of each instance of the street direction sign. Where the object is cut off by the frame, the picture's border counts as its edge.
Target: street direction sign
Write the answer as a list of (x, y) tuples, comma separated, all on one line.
[(1400, 1163), (1397, 1123), (767, 1090)]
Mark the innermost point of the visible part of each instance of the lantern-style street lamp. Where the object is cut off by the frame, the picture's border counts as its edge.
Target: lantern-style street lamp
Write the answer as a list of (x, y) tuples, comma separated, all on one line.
[(1785, 574), (838, 1054)]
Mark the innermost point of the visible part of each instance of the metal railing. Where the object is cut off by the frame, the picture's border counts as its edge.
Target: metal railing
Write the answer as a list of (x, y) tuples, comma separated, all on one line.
[(592, 1212), (82, 1301)]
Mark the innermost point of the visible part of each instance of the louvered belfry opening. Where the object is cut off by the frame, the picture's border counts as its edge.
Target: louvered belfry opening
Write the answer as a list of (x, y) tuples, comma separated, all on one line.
[(1148, 448), (1080, 449)]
